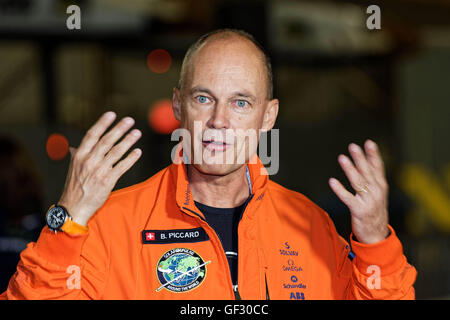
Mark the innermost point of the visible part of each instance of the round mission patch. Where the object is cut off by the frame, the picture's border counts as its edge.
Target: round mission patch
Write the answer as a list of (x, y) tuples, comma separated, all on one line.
[(180, 270)]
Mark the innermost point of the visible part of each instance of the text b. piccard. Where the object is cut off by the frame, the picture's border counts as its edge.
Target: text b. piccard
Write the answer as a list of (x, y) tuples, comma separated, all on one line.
[(174, 236)]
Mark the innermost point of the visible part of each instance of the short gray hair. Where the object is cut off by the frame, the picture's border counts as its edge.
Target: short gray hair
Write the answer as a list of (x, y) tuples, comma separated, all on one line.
[(226, 33)]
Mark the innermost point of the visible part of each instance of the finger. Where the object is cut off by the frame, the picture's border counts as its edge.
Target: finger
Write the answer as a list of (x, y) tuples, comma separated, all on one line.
[(72, 151), (95, 132), (353, 175), (109, 139), (361, 162), (375, 160), (123, 166), (119, 149), (346, 197)]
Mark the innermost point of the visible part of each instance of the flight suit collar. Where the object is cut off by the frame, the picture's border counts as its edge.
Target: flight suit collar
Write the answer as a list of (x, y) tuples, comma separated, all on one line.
[(256, 173)]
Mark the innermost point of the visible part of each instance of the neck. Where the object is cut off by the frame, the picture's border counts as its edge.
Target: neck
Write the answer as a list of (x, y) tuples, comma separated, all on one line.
[(228, 191)]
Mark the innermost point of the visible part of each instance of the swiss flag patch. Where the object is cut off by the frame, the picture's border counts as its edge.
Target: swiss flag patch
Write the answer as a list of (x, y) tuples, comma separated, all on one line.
[(149, 236)]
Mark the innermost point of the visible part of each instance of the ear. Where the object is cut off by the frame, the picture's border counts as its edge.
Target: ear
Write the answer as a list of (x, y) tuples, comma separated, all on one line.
[(176, 103), (270, 115)]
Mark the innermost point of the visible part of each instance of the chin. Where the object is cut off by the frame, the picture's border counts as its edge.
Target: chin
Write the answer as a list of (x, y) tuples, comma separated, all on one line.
[(217, 169)]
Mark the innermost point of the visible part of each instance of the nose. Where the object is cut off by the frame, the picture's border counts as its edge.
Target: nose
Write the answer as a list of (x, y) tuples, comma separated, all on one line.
[(219, 118)]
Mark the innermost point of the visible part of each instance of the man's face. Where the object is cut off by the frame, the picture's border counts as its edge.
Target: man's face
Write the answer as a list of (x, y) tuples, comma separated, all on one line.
[(223, 105)]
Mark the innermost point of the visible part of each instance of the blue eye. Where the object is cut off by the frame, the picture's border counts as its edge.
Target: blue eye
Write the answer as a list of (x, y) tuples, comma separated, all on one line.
[(241, 103), (202, 99)]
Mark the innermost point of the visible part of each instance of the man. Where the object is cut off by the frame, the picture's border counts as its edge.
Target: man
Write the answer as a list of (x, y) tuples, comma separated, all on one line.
[(179, 234)]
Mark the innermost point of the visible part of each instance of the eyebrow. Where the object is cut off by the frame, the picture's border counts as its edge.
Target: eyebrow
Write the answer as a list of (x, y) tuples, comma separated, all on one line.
[(244, 93), (200, 89)]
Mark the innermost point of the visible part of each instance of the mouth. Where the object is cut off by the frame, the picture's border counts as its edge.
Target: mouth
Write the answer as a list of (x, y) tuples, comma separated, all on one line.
[(215, 145)]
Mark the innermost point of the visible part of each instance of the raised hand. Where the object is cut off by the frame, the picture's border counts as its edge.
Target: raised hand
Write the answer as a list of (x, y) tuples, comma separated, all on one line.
[(368, 206), (95, 167)]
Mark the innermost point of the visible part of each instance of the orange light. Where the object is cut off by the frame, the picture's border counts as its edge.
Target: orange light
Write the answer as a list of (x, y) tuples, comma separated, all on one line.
[(161, 117), (159, 60), (57, 146)]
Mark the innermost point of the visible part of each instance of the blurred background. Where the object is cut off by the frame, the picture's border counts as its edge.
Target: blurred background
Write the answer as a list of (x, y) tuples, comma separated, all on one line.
[(337, 81)]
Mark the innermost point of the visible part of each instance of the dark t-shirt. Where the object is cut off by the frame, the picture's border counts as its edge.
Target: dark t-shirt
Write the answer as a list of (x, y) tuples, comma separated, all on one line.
[(225, 222)]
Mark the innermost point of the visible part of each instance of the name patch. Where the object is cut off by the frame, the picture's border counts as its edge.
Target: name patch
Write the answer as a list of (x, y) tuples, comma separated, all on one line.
[(174, 236)]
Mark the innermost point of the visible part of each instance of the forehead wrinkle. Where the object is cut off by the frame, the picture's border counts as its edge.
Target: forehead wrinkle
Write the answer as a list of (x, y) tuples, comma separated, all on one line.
[(233, 81), (229, 35), (210, 59)]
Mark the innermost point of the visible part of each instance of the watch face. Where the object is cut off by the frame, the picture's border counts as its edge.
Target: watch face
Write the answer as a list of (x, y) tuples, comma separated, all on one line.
[(56, 218)]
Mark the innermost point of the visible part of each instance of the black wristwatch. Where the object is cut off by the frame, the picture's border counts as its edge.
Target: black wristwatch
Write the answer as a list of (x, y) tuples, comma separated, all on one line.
[(56, 217)]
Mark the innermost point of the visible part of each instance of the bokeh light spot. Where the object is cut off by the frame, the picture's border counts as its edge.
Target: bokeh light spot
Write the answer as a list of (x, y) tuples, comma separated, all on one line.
[(57, 146), (161, 118), (159, 60)]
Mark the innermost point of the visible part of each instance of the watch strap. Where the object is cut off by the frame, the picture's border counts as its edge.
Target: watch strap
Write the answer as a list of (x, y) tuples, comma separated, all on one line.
[(72, 228)]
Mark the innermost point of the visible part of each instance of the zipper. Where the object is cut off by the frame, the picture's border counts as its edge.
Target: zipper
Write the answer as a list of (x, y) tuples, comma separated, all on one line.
[(222, 252), (235, 290), (194, 213), (237, 296), (267, 288)]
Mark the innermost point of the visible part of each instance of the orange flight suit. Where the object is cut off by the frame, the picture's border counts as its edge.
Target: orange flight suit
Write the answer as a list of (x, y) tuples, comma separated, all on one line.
[(149, 241)]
